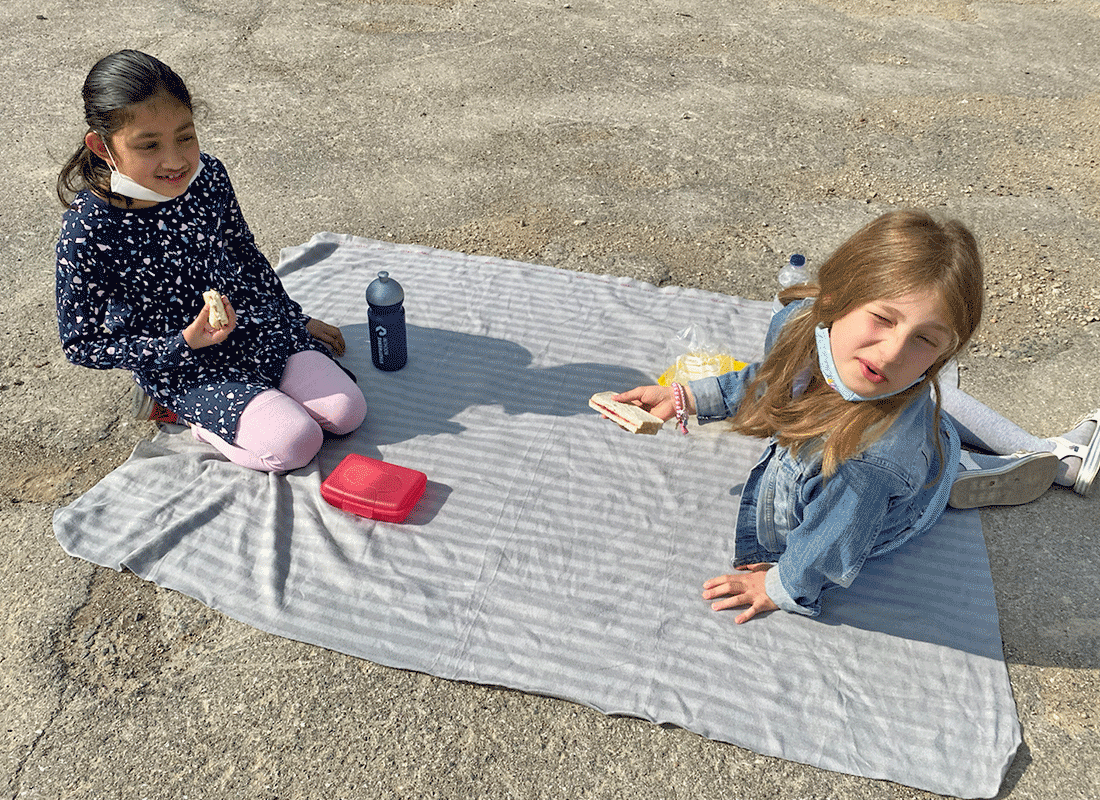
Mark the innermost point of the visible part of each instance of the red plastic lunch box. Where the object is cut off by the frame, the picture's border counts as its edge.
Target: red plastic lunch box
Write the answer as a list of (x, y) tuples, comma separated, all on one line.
[(372, 488)]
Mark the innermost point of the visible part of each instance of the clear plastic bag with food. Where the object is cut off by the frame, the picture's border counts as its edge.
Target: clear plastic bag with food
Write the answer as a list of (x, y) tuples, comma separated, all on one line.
[(693, 357)]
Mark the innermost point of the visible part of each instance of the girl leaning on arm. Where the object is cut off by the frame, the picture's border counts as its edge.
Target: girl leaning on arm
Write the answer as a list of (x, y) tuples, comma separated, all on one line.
[(864, 446)]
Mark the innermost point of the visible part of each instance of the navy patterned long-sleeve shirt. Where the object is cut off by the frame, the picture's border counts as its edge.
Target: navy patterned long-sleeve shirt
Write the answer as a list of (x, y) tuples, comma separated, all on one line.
[(130, 281)]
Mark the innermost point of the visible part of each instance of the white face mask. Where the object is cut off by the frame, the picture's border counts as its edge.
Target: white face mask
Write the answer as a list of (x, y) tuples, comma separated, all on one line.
[(128, 187)]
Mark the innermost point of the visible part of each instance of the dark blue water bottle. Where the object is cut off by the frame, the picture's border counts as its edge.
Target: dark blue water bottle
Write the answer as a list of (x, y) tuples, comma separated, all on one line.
[(386, 315)]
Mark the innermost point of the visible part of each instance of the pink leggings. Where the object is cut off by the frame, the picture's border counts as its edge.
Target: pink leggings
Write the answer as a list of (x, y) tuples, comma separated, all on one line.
[(282, 429)]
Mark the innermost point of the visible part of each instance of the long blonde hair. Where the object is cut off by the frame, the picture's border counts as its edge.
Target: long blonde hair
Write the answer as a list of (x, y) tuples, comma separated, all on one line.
[(896, 254)]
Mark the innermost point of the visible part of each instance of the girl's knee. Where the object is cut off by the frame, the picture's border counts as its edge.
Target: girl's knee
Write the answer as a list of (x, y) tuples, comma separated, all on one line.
[(346, 413), (298, 444), (278, 433)]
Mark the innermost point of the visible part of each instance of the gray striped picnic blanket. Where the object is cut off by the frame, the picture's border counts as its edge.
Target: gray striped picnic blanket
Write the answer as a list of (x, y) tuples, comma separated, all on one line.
[(556, 554)]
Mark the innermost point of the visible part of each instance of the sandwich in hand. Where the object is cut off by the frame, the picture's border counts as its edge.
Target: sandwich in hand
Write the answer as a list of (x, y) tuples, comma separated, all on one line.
[(627, 416), (218, 317)]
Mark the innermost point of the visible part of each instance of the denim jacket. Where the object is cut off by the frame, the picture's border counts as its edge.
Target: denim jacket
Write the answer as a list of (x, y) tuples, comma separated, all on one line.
[(818, 533)]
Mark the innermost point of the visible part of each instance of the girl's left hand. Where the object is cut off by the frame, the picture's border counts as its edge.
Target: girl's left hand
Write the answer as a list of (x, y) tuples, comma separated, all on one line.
[(746, 588), (328, 335)]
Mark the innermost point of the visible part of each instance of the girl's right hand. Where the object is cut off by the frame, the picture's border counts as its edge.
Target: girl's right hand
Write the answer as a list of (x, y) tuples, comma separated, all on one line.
[(201, 334), (657, 400)]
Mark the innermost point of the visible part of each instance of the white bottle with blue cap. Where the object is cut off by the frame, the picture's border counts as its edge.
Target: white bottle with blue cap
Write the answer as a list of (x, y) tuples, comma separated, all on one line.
[(793, 273)]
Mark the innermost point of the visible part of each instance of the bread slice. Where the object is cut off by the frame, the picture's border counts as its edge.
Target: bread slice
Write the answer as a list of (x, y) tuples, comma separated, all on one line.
[(627, 416), (218, 317)]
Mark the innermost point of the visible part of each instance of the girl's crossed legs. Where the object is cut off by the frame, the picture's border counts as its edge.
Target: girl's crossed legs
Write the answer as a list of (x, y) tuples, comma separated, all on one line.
[(282, 429), (1021, 466)]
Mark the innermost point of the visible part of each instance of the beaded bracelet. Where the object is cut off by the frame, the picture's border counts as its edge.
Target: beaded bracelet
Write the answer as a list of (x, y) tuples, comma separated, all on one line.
[(681, 412)]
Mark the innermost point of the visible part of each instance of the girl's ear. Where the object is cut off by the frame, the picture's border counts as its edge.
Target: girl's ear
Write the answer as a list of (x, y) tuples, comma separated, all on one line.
[(94, 142)]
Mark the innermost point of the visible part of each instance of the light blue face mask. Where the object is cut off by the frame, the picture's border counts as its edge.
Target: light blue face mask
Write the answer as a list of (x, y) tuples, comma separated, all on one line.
[(128, 187), (832, 375)]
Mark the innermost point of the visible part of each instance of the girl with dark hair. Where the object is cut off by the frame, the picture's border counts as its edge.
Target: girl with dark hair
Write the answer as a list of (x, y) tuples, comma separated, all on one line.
[(151, 224), (861, 456)]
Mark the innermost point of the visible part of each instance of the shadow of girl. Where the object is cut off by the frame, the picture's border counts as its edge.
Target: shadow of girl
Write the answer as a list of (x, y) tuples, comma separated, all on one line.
[(449, 372)]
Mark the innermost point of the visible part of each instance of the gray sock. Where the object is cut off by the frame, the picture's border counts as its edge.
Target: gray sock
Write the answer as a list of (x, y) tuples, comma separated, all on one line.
[(981, 426)]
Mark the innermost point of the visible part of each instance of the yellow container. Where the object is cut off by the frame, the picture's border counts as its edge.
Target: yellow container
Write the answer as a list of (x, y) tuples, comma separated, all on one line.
[(693, 366)]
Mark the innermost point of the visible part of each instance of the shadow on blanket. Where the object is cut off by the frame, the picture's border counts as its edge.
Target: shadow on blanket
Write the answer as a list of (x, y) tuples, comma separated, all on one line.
[(449, 372), (903, 594)]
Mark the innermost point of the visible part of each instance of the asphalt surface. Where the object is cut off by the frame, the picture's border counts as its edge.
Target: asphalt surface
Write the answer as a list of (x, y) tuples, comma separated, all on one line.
[(687, 143)]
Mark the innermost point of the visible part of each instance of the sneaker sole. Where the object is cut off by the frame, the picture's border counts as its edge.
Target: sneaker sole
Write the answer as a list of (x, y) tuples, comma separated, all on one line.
[(1011, 485), (141, 404)]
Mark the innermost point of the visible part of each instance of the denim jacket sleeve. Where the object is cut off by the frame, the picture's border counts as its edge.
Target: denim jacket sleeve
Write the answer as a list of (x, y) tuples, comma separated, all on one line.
[(842, 520), (719, 398)]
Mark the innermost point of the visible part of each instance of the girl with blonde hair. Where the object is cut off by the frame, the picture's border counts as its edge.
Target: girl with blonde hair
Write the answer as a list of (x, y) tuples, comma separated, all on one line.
[(862, 456)]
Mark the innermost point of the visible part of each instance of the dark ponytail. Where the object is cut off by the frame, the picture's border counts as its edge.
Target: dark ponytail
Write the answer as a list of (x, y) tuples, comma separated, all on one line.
[(114, 85)]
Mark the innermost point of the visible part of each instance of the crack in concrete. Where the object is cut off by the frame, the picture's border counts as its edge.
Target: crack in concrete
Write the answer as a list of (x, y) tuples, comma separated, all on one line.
[(60, 676)]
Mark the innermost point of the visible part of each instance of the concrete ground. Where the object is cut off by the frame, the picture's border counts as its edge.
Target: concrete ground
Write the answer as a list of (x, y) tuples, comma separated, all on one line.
[(688, 142)]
